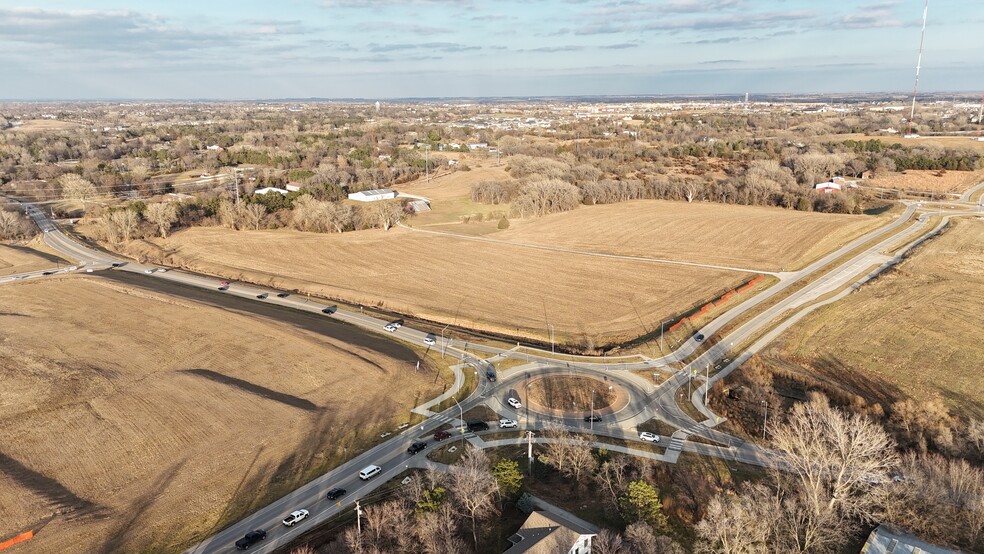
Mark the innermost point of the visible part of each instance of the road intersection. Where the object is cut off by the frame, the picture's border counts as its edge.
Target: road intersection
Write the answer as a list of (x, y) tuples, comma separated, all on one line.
[(796, 294)]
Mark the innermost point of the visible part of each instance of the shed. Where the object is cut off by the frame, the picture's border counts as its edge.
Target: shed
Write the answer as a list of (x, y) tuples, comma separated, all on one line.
[(268, 190), (372, 195)]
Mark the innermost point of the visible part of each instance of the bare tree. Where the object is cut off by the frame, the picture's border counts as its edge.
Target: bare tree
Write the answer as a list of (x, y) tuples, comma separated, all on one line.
[(120, 225), (739, 524), (474, 488), (607, 542), (75, 187), (570, 454), (253, 214), (162, 214), (13, 225)]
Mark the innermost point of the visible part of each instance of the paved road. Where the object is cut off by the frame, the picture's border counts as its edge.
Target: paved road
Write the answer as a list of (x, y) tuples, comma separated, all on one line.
[(646, 399)]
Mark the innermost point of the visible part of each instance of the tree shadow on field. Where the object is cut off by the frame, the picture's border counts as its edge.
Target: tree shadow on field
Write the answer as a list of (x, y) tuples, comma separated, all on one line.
[(137, 508), (252, 388), (12, 314), (65, 502)]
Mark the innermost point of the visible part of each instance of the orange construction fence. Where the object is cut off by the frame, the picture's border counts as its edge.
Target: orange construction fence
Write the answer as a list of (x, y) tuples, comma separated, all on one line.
[(19, 538), (724, 298)]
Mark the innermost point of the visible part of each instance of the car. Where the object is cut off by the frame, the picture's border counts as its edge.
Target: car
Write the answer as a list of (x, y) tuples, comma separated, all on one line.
[(48, 273), (369, 472), (224, 287), (295, 517), (224, 284), (148, 271), (507, 423), (73, 267), (429, 340), (592, 418), (336, 493), (441, 435), (250, 539), (490, 375), (649, 437), (476, 426), (330, 310), (698, 337), (119, 264), (389, 327), (262, 295), (161, 270), (514, 403), (283, 294), (397, 324), (416, 447)]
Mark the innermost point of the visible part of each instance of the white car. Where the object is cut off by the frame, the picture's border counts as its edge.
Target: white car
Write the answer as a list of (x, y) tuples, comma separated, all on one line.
[(148, 271), (649, 437), (429, 340), (396, 324), (507, 423), (73, 267), (295, 516), (514, 403), (390, 327), (161, 270)]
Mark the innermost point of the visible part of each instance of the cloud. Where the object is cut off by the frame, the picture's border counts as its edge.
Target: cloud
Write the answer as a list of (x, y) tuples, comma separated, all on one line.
[(279, 27), (114, 31), (390, 3), (568, 48), (713, 62), (743, 21), (411, 28), (869, 19), (439, 46), (620, 45)]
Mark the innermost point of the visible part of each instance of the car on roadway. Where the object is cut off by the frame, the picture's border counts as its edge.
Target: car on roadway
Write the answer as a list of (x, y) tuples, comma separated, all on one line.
[(416, 447), (262, 295), (250, 539), (224, 287), (515, 403), (295, 517), (441, 435), (119, 264), (73, 267), (699, 337), (429, 340), (390, 327), (476, 426), (592, 417), (369, 472), (490, 375), (48, 273), (507, 423), (335, 493), (161, 270), (330, 310), (398, 323), (283, 294), (148, 271), (649, 437)]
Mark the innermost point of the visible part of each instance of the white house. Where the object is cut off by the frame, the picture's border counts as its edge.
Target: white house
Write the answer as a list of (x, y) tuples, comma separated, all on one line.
[(477, 145), (544, 533), (268, 190), (372, 195), (293, 187)]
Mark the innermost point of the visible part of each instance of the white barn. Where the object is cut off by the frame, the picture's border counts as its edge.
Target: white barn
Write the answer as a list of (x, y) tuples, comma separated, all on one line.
[(373, 195)]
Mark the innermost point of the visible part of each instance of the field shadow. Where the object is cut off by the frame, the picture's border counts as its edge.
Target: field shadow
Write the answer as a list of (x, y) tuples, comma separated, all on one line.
[(12, 314), (135, 511), (32, 252), (253, 388), (66, 502)]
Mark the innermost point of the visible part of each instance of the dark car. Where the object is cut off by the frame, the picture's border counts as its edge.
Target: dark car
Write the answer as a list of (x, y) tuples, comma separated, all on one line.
[(262, 295), (119, 264), (330, 310), (224, 287), (283, 294), (250, 539), (592, 418), (441, 435), (698, 337), (48, 273), (336, 493), (416, 447), (475, 426), (490, 374)]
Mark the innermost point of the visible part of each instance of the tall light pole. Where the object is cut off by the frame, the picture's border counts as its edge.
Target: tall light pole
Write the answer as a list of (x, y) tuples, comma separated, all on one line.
[(444, 345), (765, 417), (461, 416), (707, 381), (661, 337)]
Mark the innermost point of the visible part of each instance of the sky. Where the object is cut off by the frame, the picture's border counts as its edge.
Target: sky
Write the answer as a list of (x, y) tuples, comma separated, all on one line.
[(379, 49)]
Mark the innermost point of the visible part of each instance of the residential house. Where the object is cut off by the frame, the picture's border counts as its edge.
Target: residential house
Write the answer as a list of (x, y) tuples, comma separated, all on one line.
[(544, 533), (888, 540)]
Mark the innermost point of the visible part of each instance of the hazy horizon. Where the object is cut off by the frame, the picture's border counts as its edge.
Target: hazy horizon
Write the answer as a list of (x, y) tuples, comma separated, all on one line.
[(386, 49)]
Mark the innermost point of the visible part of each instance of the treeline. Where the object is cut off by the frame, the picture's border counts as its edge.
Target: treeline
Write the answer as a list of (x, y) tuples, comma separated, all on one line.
[(15, 225)]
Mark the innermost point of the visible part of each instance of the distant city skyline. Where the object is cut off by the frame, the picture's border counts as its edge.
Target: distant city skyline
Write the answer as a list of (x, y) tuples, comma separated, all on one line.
[(220, 49)]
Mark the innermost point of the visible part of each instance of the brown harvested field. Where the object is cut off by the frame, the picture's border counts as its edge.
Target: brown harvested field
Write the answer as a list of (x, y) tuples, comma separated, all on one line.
[(916, 329), (137, 421), (487, 286), (967, 141), (760, 238), (451, 193), (21, 259), (41, 125), (929, 181)]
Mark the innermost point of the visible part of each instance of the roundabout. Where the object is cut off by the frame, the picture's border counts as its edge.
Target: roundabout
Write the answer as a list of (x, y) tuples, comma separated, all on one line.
[(563, 395)]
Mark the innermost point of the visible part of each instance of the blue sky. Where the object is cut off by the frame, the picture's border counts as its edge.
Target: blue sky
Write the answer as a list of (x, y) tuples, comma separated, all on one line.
[(248, 49)]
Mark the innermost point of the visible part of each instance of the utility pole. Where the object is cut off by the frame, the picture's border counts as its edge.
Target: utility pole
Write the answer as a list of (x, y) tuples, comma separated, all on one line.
[(707, 381), (592, 410), (529, 450), (358, 516), (551, 337), (444, 345), (661, 337)]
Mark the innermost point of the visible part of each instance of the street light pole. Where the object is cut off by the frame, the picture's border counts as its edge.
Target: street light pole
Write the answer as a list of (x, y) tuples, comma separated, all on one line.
[(444, 345), (707, 381), (592, 410), (461, 416)]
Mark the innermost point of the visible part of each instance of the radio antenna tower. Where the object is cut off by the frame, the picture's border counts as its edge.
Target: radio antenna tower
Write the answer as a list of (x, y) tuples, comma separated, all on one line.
[(922, 35)]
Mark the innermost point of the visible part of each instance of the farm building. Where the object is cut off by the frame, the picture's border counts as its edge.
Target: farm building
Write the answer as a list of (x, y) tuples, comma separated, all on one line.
[(268, 190), (293, 187), (828, 187), (372, 195)]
